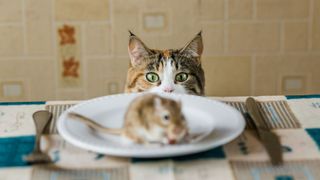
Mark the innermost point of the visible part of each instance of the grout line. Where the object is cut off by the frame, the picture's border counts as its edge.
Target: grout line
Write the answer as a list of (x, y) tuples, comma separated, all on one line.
[(310, 24), (51, 58), (25, 57), (282, 38), (24, 26), (17, 24), (255, 21), (254, 9), (100, 56), (55, 50), (226, 37), (77, 22), (20, 58), (70, 90), (212, 22), (105, 22), (112, 46), (61, 23), (225, 26), (226, 10), (84, 60), (274, 53), (122, 56), (253, 75)]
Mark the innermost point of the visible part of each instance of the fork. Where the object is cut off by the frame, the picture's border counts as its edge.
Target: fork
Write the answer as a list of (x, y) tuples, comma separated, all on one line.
[(41, 120)]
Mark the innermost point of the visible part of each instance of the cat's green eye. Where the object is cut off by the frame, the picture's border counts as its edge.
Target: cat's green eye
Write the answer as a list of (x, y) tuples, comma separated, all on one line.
[(152, 77), (181, 77)]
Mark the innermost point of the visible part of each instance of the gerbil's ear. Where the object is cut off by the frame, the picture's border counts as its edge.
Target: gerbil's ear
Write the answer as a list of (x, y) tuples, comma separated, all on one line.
[(157, 104), (137, 50), (194, 48)]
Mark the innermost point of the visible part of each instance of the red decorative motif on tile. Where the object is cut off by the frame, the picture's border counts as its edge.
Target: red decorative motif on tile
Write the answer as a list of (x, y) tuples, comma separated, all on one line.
[(70, 63), (67, 35), (70, 67)]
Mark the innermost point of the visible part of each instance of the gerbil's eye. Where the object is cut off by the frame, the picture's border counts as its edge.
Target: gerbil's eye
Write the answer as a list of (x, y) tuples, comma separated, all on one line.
[(166, 117), (152, 77)]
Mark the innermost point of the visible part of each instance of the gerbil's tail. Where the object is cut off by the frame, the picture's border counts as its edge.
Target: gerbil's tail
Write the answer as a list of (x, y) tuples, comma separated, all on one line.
[(93, 124)]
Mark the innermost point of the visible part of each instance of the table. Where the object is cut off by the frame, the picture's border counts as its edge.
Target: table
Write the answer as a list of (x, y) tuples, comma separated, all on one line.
[(296, 120)]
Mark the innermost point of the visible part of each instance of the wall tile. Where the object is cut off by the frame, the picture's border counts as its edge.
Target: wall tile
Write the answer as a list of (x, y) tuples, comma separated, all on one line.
[(227, 76), (125, 17), (254, 37), (12, 89), (101, 39), (10, 11), (37, 77), (106, 76), (284, 9), (211, 9), (272, 70), (42, 85), (240, 9), (98, 39), (189, 24), (39, 27), (70, 62), (151, 4), (11, 41), (316, 26), (295, 36), (156, 22), (213, 38), (70, 95), (82, 10)]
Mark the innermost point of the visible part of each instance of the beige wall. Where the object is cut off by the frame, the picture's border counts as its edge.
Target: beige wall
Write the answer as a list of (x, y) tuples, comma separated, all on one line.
[(77, 49)]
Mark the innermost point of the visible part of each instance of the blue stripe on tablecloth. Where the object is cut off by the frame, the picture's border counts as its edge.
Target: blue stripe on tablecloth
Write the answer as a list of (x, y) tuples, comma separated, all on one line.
[(212, 153), (22, 103), (12, 150), (303, 96), (314, 133)]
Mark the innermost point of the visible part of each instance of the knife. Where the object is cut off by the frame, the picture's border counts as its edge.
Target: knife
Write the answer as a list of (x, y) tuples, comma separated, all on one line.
[(269, 139)]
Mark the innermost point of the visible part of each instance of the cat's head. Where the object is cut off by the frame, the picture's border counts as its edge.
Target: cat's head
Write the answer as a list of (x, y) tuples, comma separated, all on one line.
[(171, 70)]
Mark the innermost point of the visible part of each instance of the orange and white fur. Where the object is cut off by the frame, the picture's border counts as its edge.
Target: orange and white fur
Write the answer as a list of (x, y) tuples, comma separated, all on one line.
[(150, 118), (171, 70)]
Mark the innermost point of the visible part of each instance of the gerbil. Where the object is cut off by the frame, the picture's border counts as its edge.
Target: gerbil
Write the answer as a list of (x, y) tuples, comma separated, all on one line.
[(149, 118)]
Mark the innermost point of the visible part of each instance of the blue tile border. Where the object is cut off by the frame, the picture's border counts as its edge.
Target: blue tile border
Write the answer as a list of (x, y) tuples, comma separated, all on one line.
[(22, 103), (12, 150), (217, 153), (303, 96), (314, 133)]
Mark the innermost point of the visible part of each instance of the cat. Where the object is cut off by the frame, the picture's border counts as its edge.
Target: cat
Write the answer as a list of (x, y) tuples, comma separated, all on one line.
[(171, 70)]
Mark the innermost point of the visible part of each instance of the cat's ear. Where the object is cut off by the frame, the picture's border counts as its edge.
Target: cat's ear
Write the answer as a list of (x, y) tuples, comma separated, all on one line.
[(194, 48), (137, 50)]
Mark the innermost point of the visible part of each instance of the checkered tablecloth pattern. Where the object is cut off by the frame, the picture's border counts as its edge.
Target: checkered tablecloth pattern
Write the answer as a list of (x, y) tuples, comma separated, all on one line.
[(295, 119)]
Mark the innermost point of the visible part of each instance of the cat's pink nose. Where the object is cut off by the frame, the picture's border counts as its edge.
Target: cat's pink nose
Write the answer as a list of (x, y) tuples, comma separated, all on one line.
[(168, 89)]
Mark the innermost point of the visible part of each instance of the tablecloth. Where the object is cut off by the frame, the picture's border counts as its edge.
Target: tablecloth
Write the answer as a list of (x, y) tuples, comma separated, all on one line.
[(295, 119)]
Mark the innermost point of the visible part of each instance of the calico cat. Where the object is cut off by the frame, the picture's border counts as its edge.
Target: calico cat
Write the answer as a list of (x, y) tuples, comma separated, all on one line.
[(171, 70)]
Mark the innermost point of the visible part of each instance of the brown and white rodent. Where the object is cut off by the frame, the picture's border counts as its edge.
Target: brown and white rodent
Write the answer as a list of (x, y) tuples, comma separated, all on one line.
[(150, 118)]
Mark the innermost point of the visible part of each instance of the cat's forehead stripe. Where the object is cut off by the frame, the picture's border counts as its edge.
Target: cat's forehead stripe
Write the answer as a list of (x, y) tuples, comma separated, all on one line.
[(166, 54)]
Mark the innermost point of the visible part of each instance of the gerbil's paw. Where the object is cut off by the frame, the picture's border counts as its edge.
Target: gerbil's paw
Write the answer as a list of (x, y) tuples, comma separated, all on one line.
[(153, 144), (165, 141), (127, 141), (193, 138)]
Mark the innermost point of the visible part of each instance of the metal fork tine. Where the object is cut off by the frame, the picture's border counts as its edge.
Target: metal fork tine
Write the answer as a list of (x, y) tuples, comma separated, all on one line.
[(41, 120)]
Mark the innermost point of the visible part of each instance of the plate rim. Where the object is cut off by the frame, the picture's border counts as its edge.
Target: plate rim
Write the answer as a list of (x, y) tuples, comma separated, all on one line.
[(62, 129)]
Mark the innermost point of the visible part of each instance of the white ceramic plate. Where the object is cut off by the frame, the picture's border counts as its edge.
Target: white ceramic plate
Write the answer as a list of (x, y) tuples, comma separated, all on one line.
[(217, 122)]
